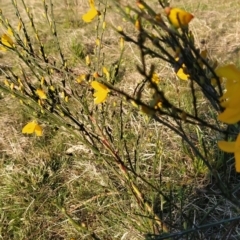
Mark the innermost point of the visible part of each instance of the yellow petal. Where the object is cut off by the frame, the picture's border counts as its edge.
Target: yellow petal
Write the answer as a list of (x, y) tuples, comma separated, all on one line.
[(66, 99), (237, 145), (180, 71), (90, 15), (155, 79), (7, 41), (101, 92), (81, 78), (224, 103), (10, 32), (32, 127), (41, 94), (230, 115), (38, 130), (29, 128), (225, 146), (231, 97), (99, 86), (178, 17), (231, 90), (237, 161), (100, 97), (52, 88), (182, 75), (229, 71)]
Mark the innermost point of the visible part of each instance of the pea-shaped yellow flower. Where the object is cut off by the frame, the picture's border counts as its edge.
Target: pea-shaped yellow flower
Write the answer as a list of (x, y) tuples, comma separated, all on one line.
[(92, 12), (32, 127), (41, 94), (232, 147), (6, 39), (178, 17), (230, 100), (101, 92)]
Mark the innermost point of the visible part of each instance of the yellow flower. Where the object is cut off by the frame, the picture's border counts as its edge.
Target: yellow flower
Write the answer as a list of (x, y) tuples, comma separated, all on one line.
[(181, 74), (7, 41), (230, 100), (92, 12), (32, 127), (232, 147), (155, 79), (230, 116), (229, 71), (178, 17), (181, 71), (41, 94), (101, 92), (81, 78)]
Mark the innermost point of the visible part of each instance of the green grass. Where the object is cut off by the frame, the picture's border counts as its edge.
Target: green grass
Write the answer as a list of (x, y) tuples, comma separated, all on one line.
[(70, 183)]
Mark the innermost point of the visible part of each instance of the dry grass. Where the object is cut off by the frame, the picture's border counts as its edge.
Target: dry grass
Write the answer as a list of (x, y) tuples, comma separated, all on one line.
[(43, 177)]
